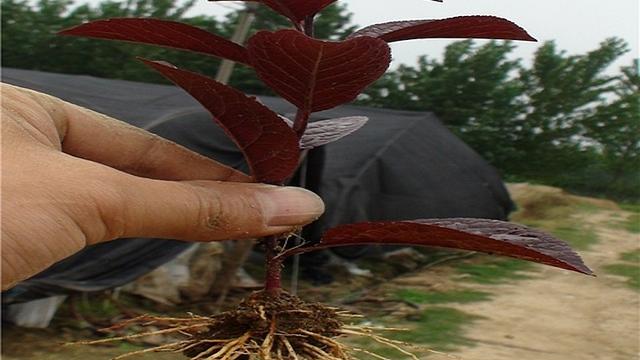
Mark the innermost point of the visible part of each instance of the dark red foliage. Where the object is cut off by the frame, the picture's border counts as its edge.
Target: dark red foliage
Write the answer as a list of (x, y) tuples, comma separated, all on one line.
[(268, 143), (161, 32), (317, 75), (296, 10), (489, 236), (477, 27)]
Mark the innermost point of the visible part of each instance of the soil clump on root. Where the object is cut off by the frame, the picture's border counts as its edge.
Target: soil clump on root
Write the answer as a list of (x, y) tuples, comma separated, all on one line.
[(271, 327)]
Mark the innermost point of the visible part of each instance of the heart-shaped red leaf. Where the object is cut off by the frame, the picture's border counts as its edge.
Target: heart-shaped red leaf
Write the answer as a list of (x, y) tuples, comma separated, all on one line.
[(296, 10), (317, 75), (474, 27), (163, 33), (489, 236), (268, 144)]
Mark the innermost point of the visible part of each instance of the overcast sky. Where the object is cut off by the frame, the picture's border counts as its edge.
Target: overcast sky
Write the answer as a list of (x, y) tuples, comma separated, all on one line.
[(576, 25)]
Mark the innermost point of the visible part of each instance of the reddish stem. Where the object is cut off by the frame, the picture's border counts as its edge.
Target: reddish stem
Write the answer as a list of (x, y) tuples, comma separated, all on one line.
[(273, 263), (302, 116), (301, 121), (273, 266)]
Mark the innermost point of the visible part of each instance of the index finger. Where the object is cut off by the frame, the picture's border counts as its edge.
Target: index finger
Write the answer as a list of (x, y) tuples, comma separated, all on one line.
[(97, 137)]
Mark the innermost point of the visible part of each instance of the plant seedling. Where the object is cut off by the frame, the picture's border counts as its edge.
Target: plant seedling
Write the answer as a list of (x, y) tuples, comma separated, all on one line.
[(314, 75)]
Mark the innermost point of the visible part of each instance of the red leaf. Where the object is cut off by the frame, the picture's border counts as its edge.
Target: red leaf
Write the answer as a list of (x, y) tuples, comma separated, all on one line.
[(490, 236), (477, 27), (268, 144), (163, 33), (296, 10), (317, 75)]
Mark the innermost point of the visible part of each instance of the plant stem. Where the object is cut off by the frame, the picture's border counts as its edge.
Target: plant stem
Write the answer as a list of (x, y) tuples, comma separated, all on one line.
[(273, 266), (308, 25), (302, 116), (300, 122)]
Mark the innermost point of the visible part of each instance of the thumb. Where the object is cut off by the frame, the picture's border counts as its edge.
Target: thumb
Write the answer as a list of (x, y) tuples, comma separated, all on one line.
[(208, 210)]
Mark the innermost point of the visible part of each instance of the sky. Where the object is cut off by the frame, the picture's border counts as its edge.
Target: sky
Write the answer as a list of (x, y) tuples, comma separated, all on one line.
[(577, 26)]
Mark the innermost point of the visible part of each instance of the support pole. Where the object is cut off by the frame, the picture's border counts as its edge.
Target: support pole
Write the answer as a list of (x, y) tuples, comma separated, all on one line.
[(239, 36), (242, 248)]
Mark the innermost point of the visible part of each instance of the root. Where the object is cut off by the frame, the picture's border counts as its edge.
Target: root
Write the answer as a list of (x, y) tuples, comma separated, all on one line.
[(382, 340), (267, 343), (153, 349), (262, 327), (227, 351), (150, 333)]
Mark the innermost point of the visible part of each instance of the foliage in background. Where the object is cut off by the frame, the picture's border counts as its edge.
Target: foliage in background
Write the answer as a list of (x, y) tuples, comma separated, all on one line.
[(561, 121), (29, 39), (616, 127)]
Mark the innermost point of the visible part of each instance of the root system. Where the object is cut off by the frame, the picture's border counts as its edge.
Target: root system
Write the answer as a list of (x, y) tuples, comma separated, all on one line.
[(262, 327)]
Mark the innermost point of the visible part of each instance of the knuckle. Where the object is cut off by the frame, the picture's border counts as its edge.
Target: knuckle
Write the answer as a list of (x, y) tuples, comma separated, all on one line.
[(146, 161), (111, 206), (213, 214), (96, 202), (229, 215)]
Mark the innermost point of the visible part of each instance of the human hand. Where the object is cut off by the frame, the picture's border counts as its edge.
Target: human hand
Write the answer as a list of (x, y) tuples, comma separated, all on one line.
[(72, 177)]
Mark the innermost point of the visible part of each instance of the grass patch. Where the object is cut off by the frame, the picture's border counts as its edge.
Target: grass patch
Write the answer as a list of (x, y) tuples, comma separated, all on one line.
[(441, 297), (494, 270), (580, 238), (435, 328), (100, 307), (630, 271), (438, 327), (564, 222), (633, 223), (126, 347), (631, 256), (628, 268), (588, 208), (374, 347), (634, 208), (567, 228)]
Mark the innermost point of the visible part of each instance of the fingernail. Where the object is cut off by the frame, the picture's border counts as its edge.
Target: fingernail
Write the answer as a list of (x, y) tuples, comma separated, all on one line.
[(290, 206)]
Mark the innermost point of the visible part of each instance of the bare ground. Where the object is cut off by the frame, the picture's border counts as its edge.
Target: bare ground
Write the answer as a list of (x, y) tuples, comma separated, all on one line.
[(561, 315), (554, 314)]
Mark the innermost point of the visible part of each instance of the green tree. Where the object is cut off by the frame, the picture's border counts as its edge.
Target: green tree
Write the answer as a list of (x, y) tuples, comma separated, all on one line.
[(29, 38), (560, 93), (534, 123), (615, 126), (472, 90)]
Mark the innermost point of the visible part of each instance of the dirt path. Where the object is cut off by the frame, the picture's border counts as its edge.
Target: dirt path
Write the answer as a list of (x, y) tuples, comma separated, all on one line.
[(559, 315)]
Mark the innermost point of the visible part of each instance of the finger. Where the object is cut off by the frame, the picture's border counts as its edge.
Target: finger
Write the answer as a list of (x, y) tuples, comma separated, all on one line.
[(208, 210), (100, 138)]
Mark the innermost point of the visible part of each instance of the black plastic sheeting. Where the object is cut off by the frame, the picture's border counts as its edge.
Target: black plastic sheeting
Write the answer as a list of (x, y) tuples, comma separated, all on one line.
[(400, 165)]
